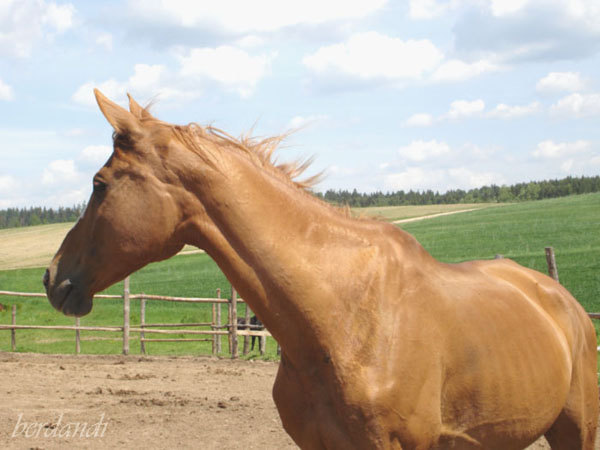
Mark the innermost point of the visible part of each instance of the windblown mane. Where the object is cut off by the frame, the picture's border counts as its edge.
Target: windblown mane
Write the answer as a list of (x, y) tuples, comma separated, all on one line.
[(208, 141)]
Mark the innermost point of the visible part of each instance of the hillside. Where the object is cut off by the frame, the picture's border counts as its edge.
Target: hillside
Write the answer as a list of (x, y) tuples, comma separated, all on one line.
[(34, 246)]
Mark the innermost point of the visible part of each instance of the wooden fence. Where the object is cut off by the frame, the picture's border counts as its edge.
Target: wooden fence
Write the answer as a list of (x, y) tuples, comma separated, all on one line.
[(216, 330), (214, 334)]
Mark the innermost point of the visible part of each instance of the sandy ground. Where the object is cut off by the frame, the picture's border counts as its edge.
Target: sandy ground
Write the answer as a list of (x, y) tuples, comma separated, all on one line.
[(99, 402), (133, 402)]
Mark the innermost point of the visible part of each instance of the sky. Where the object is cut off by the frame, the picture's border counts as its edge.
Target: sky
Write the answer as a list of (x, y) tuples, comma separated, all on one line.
[(385, 94)]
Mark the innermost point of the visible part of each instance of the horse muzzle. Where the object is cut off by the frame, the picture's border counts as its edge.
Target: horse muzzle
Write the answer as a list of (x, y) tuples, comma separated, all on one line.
[(66, 296)]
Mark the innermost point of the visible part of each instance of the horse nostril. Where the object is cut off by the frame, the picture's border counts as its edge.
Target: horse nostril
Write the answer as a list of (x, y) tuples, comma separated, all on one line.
[(46, 279)]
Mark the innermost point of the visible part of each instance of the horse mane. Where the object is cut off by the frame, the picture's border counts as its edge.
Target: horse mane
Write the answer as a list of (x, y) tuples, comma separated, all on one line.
[(209, 141)]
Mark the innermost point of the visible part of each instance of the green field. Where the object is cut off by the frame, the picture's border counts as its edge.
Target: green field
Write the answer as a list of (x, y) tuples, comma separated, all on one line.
[(519, 231)]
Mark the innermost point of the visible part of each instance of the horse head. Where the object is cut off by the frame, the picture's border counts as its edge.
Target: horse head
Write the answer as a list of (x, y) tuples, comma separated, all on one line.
[(134, 215)]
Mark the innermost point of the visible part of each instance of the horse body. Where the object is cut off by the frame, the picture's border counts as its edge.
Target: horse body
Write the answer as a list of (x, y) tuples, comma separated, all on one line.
[(456, 356), (383, 346)]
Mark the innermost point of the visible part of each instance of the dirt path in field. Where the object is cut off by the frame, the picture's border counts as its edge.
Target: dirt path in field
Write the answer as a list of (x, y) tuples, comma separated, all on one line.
[(139, 403), (431, 216)]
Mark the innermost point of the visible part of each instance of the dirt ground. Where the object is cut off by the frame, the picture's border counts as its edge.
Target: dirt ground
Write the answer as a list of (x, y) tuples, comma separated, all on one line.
[(64, 401)]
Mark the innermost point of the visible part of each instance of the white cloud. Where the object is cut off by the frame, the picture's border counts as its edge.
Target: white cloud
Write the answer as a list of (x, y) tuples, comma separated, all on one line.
[(60, 171), (7, 184), (506, 7), (567, 165), (423, 150), (112, 88), (233, 16), (460, 109), (463, 109), (418, 178), (59, 17), (503, 111), (250, 41), (306, 121), (577, 105), (25, 23), (419, 120), (11, 191), (560, 82), (464, 178), (95, 155), (371, 55), (528, 30), (428, 9), (456, 70), (68, 197), (105, 40), (551, 150), (412, 178), (231, 67), (147, 81), (147, 78), (73, 132), (342, 170), (6, 92)]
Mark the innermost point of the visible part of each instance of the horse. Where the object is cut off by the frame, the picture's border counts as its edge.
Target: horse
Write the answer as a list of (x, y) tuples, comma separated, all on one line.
[(254, 325), (383, 346)]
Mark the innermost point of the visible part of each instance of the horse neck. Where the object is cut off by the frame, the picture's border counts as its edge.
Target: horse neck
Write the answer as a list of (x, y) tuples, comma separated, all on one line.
[(278, 246)]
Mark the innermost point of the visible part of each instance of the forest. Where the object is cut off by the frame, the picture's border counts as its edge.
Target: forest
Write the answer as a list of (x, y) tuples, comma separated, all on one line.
[(533, 190)]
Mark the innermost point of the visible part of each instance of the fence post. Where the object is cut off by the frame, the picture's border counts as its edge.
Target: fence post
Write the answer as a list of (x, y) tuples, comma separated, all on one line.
[(551, 260), (13, 332), (233, 325), (77, 337), (126, 316), (218, 321), (229, 326), (213, 323), (142, 323), (262, 340), (247, 323)]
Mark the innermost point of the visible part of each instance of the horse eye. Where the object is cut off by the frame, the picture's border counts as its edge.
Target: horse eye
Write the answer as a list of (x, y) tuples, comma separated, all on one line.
[(99, 186)]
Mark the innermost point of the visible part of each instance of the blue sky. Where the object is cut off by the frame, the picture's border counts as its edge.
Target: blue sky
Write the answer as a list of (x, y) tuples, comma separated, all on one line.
[(389, 95)]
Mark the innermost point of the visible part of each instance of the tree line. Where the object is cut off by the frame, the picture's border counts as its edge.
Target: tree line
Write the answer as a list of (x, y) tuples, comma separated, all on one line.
[(24, 217), (534, 190)]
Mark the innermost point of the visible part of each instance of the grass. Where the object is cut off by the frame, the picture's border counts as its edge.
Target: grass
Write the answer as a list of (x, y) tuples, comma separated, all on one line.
[(518, 231), (521, 231), (30, 246), (393, 213)]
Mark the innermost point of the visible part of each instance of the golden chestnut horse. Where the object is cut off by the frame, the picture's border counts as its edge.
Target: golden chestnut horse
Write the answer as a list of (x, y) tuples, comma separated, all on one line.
[(383, 346)]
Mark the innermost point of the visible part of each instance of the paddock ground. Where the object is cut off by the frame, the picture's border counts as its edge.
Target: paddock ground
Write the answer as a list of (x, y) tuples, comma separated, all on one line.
[(139, 402)]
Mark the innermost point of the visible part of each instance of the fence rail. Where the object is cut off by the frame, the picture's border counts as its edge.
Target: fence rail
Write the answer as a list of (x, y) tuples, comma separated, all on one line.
[(214, 334), (230, 329)]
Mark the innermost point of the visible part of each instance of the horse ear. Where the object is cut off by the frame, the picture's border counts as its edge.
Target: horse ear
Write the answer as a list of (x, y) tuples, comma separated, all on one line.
[(122, 121), (137, 110)]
